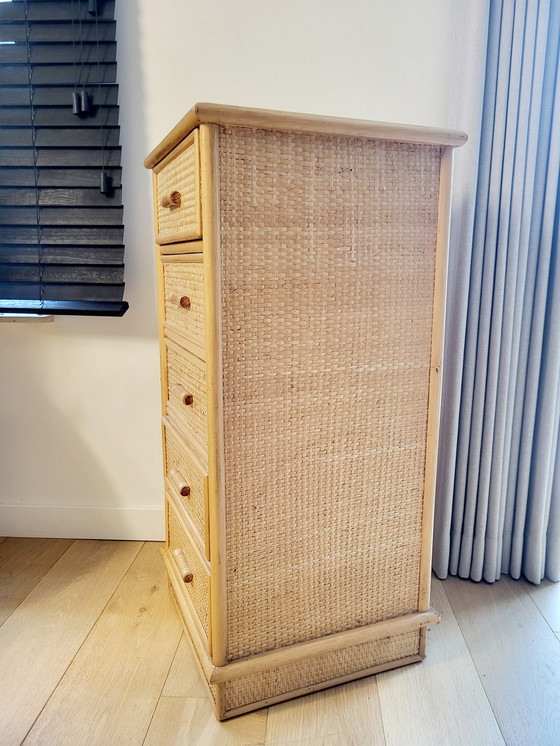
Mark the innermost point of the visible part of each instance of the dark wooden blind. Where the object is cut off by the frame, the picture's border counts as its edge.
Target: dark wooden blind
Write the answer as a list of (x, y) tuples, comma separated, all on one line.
[(61, 215)]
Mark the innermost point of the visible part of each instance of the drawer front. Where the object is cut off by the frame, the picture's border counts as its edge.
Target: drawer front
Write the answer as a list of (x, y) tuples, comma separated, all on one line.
[(184, 302), (188, 481), (186, 559), (186, 388), (177, 194)]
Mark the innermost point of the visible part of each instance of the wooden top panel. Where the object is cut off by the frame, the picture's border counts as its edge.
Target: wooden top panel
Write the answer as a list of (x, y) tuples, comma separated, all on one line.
[(283, 120)]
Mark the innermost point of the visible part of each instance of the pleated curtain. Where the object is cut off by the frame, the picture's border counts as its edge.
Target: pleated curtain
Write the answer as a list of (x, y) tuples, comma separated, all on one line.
[(498, 487)]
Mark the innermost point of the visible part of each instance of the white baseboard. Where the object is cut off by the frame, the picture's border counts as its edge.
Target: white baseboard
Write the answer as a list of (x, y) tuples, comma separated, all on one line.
[(57, 522)]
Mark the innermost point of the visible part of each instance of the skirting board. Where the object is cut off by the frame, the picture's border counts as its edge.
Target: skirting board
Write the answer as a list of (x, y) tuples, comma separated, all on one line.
[(60, 522)]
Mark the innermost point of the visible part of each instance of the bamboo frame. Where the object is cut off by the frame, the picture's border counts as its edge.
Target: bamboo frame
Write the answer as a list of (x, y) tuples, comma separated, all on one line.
[(210, 218), (436, 375), (337, 641), (204, 113)]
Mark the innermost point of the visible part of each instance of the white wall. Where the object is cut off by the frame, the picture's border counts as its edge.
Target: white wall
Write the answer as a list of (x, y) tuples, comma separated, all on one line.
[(79, 398)]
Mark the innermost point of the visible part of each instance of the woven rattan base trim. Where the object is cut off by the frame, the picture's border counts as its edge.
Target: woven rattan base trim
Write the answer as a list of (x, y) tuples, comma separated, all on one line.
[(284, 682)]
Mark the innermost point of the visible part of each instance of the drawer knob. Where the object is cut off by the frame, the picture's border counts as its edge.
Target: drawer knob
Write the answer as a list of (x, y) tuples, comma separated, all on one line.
[(181, 393), (179, 483), (180, 300), (171, 200), (183, 566)]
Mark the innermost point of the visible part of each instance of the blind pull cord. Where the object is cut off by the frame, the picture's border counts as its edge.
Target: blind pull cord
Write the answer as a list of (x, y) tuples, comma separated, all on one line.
[(32, 113), (105, 181), (80, 98)]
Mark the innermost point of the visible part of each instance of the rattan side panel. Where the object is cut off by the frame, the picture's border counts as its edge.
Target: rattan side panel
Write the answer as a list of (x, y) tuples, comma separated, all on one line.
[(177, 459), (327, 275), (184, 278), (184, 375), (180, 175), (199, 589), (310, 671)]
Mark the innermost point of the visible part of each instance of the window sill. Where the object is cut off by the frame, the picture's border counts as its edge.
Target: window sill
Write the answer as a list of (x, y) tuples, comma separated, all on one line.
[(26, 318)]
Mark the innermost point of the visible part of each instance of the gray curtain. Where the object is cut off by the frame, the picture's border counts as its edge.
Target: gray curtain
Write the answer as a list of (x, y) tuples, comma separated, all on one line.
[(498, 489)]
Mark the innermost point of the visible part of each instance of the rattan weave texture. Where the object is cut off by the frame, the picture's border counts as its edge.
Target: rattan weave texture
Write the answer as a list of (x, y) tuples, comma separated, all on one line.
[(198, 590), (184, 374), (178, 459), (327, 280), (178, 176), (321, 668), (185, 278)]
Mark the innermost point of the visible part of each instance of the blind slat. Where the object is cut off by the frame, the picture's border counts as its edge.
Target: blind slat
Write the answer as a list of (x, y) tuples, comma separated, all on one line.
[(58, 117), (55, 11), (62, 254), (73, 308), (59, 197), (55, 32), (85, 235), (71, 158), (59, 291), (61, 274), (58, 96), (57, 177), (44, 138), (110, 216), (54, 53), (58, 74)]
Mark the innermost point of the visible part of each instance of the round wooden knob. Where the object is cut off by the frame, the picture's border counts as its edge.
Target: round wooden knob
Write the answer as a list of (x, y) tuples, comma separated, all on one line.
[(179, 483), (180, 300), (181, 393), (182, 566), (171, 200)]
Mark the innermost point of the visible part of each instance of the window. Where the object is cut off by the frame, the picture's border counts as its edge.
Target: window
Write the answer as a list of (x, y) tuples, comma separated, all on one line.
[(61, 215)]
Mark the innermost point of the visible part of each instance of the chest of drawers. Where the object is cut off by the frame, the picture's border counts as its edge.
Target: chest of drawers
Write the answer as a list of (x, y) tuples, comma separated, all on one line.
[(301, 265)]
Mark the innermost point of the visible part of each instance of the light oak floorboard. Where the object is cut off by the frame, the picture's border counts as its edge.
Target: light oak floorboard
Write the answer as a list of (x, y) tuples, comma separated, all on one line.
[(439, 701), (517, 657), (547, 598), (347, 715), (23, 563), (179, 721), (110, 691), (184, 679), (41, 637)]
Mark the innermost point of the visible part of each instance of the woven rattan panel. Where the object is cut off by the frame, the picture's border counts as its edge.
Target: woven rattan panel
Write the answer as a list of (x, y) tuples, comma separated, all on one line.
[(199, 588), (186, 376), (178, 459), (178, 176), (185, 278), (327, 274), (311, 671)]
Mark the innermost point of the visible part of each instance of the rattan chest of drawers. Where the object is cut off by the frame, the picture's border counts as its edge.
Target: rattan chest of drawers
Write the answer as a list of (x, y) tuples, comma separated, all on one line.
[(301, 275)]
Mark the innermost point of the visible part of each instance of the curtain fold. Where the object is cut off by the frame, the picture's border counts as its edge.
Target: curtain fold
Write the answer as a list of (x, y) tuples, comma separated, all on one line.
[(498, 482)]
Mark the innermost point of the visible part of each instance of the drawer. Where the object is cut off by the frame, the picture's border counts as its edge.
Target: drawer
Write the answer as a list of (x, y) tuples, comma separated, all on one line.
[(186, 388), (187, 479), (177, 193), (188, 562), (183, 299)]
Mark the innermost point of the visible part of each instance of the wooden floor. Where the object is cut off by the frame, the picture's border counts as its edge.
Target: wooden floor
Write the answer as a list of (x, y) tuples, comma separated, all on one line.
[(91, 652)]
